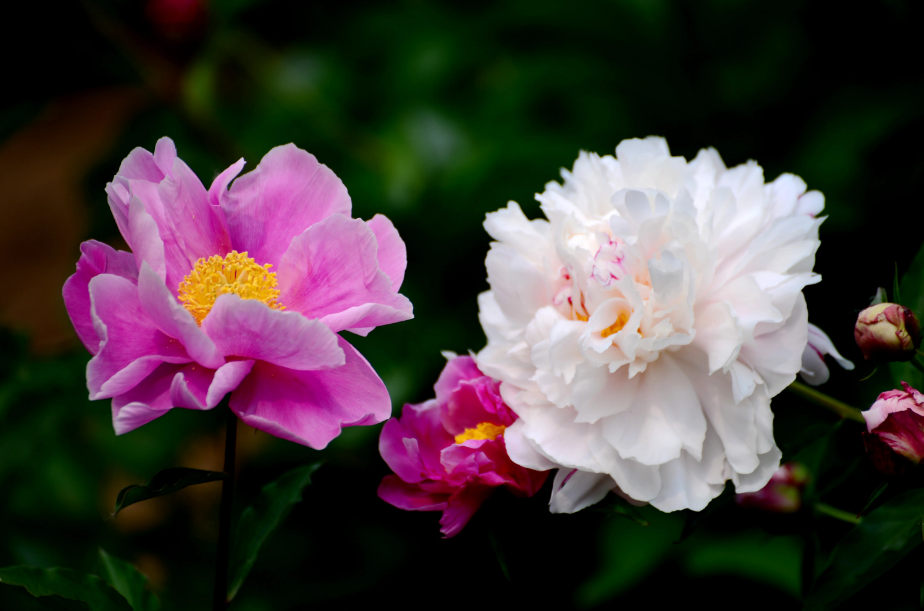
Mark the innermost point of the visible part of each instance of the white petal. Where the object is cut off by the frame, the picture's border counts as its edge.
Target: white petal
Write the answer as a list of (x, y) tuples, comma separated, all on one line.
[(574, 490)]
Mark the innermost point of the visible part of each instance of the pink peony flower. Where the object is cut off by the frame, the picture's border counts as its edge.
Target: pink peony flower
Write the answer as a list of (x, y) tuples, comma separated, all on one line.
[(194, 312), (782, 494), (887, 332), (448, 454), (895, 425)]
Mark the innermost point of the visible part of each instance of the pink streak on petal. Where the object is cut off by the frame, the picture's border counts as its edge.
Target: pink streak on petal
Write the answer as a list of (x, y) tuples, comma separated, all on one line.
[(95, 259), (174, 320), (311, 407), (331, 272), (288, 192), (146, 241), (392, 253), (460, 508), (250, 329), (410, 497), (130, 345), (227, 378)]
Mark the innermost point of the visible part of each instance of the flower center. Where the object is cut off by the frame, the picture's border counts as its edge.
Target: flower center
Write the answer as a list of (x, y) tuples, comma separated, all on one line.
[(234, 273), (485, 430), (617, 326)]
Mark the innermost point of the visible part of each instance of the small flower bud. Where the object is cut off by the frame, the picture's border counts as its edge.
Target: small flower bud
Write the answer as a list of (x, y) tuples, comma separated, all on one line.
[(895, 425), (782, 494), (887, 332)]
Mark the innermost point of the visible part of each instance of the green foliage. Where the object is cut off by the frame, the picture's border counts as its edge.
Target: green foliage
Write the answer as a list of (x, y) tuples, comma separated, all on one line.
[(885, 536), (166, 481), (912, 293), (128, 581), (259, 520), (94, 593), (617, 506)]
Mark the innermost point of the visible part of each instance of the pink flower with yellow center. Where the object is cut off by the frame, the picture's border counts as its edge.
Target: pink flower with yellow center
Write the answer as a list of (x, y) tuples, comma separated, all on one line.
[(448, 454), (242, 290)]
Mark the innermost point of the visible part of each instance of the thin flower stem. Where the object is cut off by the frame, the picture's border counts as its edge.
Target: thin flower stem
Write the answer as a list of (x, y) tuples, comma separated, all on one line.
[(220, 598), (830, 403), (840, 514)]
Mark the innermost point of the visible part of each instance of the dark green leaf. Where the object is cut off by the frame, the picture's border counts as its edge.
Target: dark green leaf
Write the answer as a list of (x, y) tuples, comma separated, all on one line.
[(260, 519), (615, 505), (880, 297), (896, 290), (872, 498), (695, 519), (128, 581), (912, 289), (499, 554), (67, 584), (164, 482), (886, 535)]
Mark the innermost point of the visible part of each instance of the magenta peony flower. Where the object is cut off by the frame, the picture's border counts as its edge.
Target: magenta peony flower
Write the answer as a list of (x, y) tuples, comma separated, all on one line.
[(895, 425), (782, 494), (887, 332), (448, 454), (194, 312)]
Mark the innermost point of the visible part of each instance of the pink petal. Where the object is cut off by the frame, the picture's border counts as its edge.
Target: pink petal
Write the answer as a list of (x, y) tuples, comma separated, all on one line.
[(331, 272), (221, 182), (165, 155), (146, 241), (95, 259), (401, 452), (460, 508), (310, 407), (409, 496), (130, 346), (288, 192), (140, 165), (250, 329), (392, 253), (175, 320), (457, 370)]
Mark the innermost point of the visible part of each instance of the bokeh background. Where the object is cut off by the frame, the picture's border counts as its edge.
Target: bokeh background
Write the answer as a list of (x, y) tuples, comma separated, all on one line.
[(432, 113)]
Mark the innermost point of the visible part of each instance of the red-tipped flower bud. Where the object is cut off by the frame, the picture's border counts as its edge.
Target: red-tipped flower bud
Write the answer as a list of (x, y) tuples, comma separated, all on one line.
[(782, 494), (887, 332), (895, 425)]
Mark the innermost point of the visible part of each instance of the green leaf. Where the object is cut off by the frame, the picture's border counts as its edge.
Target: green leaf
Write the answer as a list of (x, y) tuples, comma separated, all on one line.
[(880, 297), (165, 482), (912, 295), (260, 519), (499, 554), (615, 505), (128, 581), (886, 535), (872, 498), (695, 519), (67, 584)]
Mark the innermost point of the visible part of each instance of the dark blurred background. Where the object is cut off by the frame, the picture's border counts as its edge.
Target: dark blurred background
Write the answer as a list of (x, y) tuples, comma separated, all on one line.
[(432, 113)]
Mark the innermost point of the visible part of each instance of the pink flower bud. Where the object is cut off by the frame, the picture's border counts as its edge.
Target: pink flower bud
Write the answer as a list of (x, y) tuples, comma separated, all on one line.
[(887, 332), (782, 494), (895, 425)]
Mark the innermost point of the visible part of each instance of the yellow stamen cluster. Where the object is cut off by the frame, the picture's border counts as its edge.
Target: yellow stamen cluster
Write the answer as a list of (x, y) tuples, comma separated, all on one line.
[(485, 430), (617, 326), (234, 273)]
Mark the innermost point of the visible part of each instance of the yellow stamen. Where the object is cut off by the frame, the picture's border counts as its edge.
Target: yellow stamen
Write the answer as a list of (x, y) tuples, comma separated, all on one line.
[(617, 326), (234, 273), (485, 430)]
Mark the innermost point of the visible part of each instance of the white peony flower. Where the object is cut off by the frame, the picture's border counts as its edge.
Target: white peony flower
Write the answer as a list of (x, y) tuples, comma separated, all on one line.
[(641, 331)]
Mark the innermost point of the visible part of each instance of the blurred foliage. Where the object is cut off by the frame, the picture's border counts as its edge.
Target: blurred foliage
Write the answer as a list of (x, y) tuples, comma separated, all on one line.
[(434, 113)]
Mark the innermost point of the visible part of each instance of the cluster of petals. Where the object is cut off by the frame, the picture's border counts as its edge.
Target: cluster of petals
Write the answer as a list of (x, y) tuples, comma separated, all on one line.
[(641, 329), (448, 454), (895, 430), (289, 372)]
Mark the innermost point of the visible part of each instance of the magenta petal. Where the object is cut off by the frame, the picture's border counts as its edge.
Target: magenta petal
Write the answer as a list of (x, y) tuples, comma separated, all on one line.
[(401, 452), (392, 253), (221, 182), (146, 241), (461, 506), (141, 166), (250, 329), (130, 346), (165, 155), (227, 378), (175, 320), (459, 369), (331, 272), (285, 194), (95, 259), (310, 407), (410, 497)]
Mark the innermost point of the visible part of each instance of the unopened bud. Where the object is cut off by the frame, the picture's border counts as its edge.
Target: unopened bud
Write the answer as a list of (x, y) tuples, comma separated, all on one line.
[(895, 425), (782, 494), (887, 332)]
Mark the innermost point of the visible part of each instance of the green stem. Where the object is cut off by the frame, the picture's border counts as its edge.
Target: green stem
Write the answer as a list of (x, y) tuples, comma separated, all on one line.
[(220, 598), (829, 403), (916, 361), (840, 514)]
